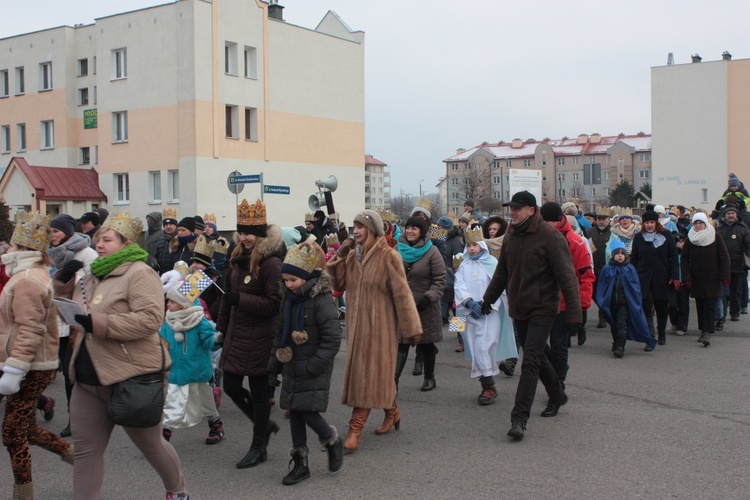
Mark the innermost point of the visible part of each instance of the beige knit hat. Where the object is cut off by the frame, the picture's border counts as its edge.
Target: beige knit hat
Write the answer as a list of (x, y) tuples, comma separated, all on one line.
[(372, 221)]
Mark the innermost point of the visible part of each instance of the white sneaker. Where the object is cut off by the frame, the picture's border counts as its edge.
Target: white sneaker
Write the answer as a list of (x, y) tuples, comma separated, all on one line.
[(680, 333)]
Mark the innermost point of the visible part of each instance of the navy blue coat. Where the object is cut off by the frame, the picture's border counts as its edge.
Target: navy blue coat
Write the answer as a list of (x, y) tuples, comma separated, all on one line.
[(638, 329), (655, 266)]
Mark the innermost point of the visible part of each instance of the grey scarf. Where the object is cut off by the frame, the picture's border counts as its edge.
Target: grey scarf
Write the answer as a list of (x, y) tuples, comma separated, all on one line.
[(67, 251)]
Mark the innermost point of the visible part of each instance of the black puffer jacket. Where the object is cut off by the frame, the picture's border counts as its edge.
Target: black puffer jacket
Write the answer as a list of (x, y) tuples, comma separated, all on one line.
[(249, 327), (737, 239), (307, 377)]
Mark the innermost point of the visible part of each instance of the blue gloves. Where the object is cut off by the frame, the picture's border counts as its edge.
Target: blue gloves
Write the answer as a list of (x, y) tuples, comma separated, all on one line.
[(476, 309)]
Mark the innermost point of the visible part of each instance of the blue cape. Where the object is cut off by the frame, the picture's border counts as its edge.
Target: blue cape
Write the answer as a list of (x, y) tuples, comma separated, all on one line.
[(638, 329)]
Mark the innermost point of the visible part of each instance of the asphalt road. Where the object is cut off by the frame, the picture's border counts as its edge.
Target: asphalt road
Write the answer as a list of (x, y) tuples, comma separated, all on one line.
[(674, 423)]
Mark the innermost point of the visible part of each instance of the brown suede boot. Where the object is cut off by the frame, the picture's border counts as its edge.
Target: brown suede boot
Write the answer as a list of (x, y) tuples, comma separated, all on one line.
[(359, 417), (392, 419)]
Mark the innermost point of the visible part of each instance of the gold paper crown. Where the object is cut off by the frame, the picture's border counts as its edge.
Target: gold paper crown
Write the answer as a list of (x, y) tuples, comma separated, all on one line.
[(331, 239), (453, 217), (204, 246), (603, 212), (209, 217), (437, 232), (386, 215), (303, 257), (457, 261), (466, 216), (574, 201), (31, 230), (221, 245), (169, 213), (473, 235), (121, 222), (309, 217), (425, 203), (251, 215)]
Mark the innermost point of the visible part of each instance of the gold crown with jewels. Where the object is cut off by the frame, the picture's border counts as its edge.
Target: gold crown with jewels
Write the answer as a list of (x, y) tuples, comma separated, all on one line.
[(331, 239), (425, 203), (473, 235), (209, 217), (303, 257), (32, 230), (169, 213), (122, 223), (251, 215), (309, 217)]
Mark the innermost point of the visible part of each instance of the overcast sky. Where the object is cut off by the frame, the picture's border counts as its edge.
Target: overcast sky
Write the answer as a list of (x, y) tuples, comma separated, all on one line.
[(445, 74)]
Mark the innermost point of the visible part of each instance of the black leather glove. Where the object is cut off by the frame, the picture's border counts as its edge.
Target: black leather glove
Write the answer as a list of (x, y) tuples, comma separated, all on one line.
[(423, 304), (85, 321), (232, 298), (486, 307), (574, 329), (68, 270)]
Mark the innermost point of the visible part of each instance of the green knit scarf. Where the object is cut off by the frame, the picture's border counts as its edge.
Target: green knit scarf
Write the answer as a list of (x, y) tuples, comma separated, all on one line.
[(102, 266)]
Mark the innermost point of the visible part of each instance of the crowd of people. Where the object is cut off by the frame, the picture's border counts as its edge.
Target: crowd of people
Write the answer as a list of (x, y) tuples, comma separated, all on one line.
[(203, 316)]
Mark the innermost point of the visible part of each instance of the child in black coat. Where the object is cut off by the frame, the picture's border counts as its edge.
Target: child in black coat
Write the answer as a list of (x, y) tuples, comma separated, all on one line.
[(308, 336)]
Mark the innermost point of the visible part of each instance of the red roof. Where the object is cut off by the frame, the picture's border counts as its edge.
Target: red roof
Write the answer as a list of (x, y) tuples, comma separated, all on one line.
[(61, 183), (371, 160)]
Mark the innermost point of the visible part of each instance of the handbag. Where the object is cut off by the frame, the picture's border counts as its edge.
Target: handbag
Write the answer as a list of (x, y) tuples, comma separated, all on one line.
[(138, 401)]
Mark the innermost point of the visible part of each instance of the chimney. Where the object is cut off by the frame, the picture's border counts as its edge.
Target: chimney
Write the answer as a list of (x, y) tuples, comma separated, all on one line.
[(582, 138), (696, 58), (670, 59), (517, 143), (726, 56), (596, 138), (460, 151), (275, 11)]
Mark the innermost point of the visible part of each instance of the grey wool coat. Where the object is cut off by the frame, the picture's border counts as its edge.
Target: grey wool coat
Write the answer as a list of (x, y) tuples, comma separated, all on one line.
[(426, 278), (307, 377)]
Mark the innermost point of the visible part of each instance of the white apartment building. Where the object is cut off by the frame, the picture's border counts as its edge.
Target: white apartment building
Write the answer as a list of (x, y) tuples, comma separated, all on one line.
[(165, 102), (700, 113)]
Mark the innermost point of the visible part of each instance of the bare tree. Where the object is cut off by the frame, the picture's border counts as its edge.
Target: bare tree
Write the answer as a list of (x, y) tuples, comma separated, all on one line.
[(402, 205)]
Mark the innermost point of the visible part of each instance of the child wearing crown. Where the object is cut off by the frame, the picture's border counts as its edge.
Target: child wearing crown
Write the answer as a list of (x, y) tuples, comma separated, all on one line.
[(487, 339), (308, 336), (191, 339)]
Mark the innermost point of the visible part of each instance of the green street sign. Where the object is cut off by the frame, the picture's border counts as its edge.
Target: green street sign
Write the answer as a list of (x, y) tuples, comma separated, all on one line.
[(89, 118)]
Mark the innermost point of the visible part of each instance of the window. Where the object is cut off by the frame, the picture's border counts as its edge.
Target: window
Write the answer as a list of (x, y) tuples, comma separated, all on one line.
[(154, 186), (83, 67), (607, 158), (607, 191), (5, 139), (48, 134), (496, 179), (231, 125), (527, 163), (173, 178), (575, 161), (575, 176), (643, 157), (83, 97), (230, 58), (96, 155), (455, 196), (705, 195), (496, 195), (119, 64), (93, 64), (467, 166), (21, 133), (94, 95), (620, 162), (507, 163), (122, 188), (574, 193), (251, 124), (4, 85), (84, 155), (454, 166), (20, 81), (45, 76), (560, 177), (606, 175), (643, 174), (454, 181), (120, 126), (561, 193), (561, 161), (251, 62), (593, 191)]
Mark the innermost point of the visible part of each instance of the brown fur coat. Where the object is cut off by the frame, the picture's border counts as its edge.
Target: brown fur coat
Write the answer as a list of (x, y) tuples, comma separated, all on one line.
[(378, 304)]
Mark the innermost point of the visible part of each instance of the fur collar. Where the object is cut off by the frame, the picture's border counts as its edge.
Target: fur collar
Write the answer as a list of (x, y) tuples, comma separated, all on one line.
[(272, 244)]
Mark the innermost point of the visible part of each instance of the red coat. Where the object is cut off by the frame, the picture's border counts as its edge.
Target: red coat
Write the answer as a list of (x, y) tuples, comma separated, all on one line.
[(579, 250)]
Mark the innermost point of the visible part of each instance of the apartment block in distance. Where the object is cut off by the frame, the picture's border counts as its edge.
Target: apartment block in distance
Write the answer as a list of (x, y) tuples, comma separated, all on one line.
[(166, 102), (587, 167), (377, 184), (700, 113)]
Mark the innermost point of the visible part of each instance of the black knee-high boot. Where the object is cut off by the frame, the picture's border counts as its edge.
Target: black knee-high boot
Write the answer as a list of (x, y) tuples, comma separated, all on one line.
[(429, 354), (418, 362), (401, 358)]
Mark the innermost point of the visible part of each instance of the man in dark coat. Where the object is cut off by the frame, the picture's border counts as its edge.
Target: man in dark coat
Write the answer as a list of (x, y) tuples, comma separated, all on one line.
[(324, 226), (154, 235), (736, 236), (90, 224), (535, 265), (600, 234)]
